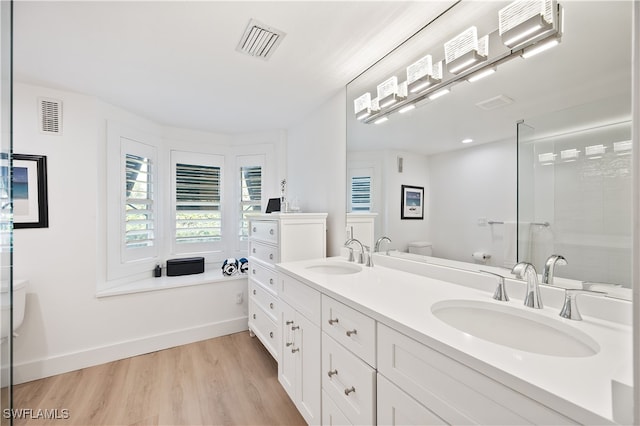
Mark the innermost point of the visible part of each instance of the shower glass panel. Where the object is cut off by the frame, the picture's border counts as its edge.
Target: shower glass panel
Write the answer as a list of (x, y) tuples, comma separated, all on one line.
[(575, 192), (5, 210)]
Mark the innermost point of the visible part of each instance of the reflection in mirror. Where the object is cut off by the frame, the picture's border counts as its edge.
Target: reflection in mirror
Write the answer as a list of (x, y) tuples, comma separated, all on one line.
[(470, 197)]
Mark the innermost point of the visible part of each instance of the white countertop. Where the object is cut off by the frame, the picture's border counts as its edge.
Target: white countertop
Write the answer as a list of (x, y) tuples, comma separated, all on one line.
[(578, 387)]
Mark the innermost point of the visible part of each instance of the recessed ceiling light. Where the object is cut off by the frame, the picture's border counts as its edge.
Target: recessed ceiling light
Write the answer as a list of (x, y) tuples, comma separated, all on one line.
[(468, 140)]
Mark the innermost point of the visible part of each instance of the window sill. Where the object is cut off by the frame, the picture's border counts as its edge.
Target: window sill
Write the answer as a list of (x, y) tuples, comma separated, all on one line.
[(164, 283)]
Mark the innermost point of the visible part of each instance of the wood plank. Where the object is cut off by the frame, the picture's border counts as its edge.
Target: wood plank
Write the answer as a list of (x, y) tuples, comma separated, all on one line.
[(229, 380)]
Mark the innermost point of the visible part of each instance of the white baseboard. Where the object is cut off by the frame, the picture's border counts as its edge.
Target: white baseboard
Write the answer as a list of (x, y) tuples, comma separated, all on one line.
[(38, 369)]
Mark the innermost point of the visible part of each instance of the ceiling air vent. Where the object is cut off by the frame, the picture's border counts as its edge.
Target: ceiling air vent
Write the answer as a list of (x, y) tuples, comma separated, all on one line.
[(260, 40), (50, 116), (495, 102)]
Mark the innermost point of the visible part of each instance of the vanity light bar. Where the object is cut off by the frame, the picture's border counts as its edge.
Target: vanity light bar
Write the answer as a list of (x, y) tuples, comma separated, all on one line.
[(524, 20), (569, 154), (594, 150), (467, 59)]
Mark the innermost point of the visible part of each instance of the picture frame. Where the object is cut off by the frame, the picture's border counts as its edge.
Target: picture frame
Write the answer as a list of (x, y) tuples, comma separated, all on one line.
[(412, 203), (29, 191)]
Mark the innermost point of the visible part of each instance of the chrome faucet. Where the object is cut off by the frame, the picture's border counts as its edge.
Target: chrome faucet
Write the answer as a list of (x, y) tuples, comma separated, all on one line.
[(570, 306), (379, 241), (501, 291), (549, 267), (532, 298), (361, 254)]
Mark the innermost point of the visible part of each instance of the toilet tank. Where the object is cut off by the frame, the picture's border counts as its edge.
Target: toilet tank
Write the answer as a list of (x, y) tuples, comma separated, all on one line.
[(420, 247)]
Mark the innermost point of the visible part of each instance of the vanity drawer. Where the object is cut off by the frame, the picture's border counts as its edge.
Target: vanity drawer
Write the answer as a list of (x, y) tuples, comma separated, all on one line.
[(264, 252), (264, 328), (395, 407), (301, 297), (266, 277), (353, 329), (454, 392), (265, 300), (349, 382), (331, 414), (265, 230)]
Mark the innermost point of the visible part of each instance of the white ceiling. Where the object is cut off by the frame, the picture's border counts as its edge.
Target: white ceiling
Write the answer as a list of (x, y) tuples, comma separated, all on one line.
[(176, 63)]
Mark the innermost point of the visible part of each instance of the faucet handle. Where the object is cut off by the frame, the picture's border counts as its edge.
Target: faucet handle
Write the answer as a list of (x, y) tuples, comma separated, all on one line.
[(570, 306), (501, 291), (350, 258), (369, 261)]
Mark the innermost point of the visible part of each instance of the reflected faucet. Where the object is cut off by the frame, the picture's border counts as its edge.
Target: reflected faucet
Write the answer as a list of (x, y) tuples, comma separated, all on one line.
[(549, 267), (361, 254), (527, 270), (380, 240)]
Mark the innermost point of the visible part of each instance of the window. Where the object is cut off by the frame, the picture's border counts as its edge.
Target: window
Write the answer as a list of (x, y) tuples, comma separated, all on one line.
[(197, 202), (250, 196), (139, 207), (361, 193)]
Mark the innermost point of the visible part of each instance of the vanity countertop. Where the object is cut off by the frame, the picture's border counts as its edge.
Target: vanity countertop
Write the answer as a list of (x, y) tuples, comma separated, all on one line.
[(579, 387)]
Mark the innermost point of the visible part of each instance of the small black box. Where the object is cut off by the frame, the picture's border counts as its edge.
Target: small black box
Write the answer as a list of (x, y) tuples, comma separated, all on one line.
[(186, 266)]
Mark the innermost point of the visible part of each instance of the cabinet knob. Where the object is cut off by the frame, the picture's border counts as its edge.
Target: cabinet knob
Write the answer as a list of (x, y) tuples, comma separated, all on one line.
[(333, 321), (294, 350), (348, 391), (271, 256), (254, 316), (271, 231), (271, 305), (332, 373), (350, 332), (254, 229), (288, 344), (254, 250), (253, 271), (271, 334), (289, 322), (295, 327), (254, 292), (271, 281)]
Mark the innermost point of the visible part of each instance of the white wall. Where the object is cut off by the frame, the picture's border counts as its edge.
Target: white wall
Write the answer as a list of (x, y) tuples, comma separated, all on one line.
[(316, 166), (66, 327), (467, 185)]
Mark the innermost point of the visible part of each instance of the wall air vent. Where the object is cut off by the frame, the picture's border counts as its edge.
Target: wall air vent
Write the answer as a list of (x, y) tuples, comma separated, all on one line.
[(495, 102), (260, 40), (50, 116)]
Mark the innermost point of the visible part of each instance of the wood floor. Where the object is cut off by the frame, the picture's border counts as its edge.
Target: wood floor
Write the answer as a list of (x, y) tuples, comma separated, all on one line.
[(230, 380)]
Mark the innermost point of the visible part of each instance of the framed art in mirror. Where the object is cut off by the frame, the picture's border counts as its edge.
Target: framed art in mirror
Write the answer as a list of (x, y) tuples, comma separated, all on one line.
[(29, 189), (412, 206)]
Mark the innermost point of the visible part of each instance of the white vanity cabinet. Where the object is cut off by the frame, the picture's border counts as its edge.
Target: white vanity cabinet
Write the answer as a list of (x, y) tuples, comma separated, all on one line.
[(299, 364), (447, 390), (277, 238), (348, 364)]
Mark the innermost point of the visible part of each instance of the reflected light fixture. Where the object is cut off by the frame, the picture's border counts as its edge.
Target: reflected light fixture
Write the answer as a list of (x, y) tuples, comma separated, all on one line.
[(439, 93), (364, 106), (389, 92), (481, 74), (381, 120), (594, 151), (467, 140), (546, 158), (569, 154), (407, 108), (465, 51), (622, 148), (524, 20), (423, 74), (540, 47)]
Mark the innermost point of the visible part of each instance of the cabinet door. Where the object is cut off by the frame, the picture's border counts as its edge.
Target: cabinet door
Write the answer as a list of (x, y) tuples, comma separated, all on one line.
[(288, 353), (395, 407), (309, 385)]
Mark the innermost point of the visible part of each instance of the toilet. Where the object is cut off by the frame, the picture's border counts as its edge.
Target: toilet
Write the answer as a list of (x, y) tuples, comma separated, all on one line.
[(420, 247), (19, 302)]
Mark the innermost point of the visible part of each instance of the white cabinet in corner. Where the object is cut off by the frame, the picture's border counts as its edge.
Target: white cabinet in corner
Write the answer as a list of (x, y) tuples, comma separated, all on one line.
[(277, 238), (299, 364)]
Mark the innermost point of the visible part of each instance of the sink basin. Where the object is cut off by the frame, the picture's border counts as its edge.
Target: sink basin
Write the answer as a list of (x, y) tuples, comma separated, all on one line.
[(515, 328), (335, 268)]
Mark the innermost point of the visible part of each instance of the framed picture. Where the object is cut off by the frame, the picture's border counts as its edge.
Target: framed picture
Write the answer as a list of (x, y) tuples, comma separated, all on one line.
[(412, 202), (29, 189)]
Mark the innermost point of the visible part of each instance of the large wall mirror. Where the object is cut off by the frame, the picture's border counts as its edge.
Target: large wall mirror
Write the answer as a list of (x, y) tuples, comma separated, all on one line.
[(531, 160)]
